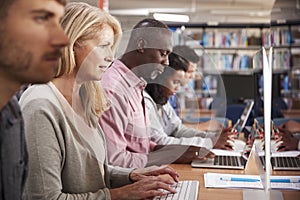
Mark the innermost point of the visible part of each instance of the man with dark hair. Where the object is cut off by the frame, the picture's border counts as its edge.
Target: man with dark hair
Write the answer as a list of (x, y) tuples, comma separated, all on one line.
[(191, 56), (177, 101), (126, 122), (31, 40)]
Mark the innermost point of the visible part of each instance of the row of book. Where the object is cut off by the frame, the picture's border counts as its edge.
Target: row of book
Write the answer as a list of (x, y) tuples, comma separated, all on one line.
[(221, 61), (276, 37), (243, 38), (225, 39)]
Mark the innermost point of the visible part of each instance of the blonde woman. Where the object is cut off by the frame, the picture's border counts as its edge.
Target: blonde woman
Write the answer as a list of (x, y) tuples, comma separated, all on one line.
[(67, 151)]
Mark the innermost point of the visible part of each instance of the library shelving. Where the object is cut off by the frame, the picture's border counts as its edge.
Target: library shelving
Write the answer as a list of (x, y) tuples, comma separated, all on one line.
[(236, 48)]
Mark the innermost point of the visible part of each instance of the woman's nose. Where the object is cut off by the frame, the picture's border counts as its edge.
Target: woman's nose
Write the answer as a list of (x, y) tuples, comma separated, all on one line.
[(108, 59)]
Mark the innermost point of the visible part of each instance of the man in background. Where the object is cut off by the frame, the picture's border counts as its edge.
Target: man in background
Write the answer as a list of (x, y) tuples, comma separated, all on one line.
[(31, 40), (188, 84), (177, 101), (126, 123)]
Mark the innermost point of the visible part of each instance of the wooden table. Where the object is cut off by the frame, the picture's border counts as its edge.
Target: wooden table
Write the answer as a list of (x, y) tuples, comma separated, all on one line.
[(197, 113), (186, 172), (293, 113)]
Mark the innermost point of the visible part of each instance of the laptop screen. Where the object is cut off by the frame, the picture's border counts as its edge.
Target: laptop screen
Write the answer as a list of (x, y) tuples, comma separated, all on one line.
[(240, 124)]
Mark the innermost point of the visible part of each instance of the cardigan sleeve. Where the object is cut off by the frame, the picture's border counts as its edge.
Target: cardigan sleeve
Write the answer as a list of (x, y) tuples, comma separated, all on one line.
[(118, 176), (47, 156)]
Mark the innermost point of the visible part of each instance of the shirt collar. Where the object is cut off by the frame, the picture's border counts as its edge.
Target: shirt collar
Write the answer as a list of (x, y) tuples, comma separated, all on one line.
[(131, 79)]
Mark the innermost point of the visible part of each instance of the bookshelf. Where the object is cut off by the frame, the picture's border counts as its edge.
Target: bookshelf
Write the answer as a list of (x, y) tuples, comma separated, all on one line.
[(234, 48)]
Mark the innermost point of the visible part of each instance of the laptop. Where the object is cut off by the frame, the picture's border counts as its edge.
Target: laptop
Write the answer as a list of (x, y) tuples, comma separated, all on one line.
[(241, 122), (223, 159), (230, 159), (286, 160), (283, 163)]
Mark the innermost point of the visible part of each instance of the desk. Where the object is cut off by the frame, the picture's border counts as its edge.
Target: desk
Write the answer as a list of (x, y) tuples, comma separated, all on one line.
[(197, 113), (293, 113), (186, 172)]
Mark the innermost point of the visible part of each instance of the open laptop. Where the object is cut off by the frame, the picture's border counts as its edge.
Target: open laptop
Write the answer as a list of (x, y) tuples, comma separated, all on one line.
[(241, 122), (224, 161), (229, 159), (286, 160)]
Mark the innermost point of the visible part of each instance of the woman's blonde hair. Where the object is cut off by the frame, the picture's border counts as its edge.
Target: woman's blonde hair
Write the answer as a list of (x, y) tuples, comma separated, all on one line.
[(81, 22)]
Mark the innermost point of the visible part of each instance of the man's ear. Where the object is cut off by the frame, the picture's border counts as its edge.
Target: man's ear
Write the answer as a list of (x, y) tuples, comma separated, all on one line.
[(141, 45)]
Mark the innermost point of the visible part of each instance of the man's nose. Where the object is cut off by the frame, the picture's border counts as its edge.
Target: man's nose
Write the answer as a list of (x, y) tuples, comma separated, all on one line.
[(166, 61)]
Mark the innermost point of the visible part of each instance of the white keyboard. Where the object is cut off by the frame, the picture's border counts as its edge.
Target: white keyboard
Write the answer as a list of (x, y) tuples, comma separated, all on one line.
[(186, 190)]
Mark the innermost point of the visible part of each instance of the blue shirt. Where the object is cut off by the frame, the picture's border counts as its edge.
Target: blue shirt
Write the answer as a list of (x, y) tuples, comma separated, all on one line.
[(13, 153), (173, 100)]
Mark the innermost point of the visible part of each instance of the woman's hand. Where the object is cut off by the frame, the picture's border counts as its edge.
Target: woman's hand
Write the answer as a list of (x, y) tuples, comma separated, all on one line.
[(146, 188), (139, 174), (223, 140)]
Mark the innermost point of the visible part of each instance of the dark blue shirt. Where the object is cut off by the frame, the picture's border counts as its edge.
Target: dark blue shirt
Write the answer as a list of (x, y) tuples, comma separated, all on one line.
[(13, 153)]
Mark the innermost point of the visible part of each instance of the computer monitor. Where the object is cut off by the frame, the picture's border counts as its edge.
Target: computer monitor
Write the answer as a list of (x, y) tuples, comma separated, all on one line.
[(240, 86)]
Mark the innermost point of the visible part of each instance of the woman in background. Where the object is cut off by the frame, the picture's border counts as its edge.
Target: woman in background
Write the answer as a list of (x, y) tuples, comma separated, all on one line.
[(67, 150)]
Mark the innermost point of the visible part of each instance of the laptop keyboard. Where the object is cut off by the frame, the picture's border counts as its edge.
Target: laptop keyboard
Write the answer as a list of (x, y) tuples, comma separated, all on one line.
[(290, 162), (227, 161), (283, 162), (186, 190)]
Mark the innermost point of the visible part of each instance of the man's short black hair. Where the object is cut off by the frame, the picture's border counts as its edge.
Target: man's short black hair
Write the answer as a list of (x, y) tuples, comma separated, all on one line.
[(150, 22), (177, 62)]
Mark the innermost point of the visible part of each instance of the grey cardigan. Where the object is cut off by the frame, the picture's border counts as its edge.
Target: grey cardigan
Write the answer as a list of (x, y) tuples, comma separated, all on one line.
[(63, 162)]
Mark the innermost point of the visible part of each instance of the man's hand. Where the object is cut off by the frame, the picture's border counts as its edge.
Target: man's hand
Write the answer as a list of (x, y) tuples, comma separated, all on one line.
[(291, 126), (194, 153), (183, 154), (286, 141)]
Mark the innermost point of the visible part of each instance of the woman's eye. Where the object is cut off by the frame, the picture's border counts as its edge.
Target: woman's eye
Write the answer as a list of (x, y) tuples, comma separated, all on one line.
[(176, 82), (104, 45)]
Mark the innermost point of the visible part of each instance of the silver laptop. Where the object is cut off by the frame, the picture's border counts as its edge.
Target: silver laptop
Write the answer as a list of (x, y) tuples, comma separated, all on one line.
[(287, 160), (227, 159), (222, 161), (283, 163)]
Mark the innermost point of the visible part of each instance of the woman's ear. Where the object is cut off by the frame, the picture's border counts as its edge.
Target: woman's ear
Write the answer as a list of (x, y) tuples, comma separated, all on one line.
[(141, 45), (76, 46)]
